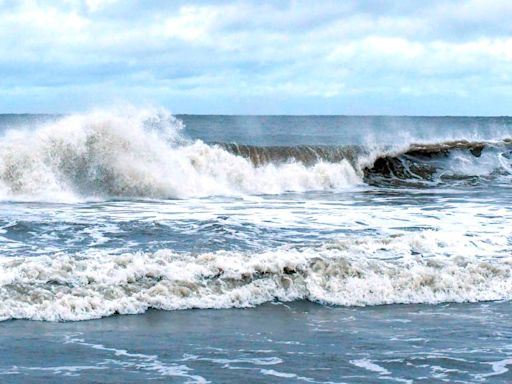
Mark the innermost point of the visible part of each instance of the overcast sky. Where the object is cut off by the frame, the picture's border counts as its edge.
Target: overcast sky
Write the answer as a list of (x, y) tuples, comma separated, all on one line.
[(257, 57)]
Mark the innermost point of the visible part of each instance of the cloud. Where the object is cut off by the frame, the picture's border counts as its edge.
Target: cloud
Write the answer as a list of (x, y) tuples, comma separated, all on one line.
[(244, 56)]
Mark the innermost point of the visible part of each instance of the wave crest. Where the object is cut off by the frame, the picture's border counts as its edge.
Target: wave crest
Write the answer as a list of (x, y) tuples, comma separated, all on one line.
[(441, 162), (142, 154), (414, 268)]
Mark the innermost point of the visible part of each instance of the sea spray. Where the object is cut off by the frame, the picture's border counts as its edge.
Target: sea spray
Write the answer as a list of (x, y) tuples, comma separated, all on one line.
[(105, 155)]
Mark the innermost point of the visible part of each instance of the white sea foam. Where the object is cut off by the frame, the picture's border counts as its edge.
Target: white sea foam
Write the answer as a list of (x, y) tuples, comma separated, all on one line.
[(368, 365), (140, 153), (428, 267), (139, 361)]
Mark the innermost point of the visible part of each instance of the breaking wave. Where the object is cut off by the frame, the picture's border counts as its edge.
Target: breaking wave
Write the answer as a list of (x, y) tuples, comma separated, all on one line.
[(142, 153), (427, 267), (380, 166), (470, 162)]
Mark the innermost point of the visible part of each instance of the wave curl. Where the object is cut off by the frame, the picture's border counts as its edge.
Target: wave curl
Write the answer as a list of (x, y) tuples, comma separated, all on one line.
[(143, 154)]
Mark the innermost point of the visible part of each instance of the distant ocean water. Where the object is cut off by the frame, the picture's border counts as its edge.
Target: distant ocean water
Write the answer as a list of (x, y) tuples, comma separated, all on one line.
[(119, 212)]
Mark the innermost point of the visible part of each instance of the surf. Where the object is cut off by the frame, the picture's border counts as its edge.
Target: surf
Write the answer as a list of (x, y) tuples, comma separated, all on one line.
[(143, 153), (105, 155), (428, 267)]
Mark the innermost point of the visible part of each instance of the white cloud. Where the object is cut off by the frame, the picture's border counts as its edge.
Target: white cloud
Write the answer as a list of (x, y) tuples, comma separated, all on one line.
[(191, 24), (175, 52), (96, 5)]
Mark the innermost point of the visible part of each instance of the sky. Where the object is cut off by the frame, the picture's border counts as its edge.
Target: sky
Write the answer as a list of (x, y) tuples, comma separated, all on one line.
[(258, 57)]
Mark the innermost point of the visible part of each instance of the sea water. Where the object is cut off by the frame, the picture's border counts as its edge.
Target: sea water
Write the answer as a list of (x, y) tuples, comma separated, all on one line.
[(341, 249)]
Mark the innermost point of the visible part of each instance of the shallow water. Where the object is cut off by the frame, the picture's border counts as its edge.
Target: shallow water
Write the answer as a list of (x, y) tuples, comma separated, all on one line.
[(296, 342)]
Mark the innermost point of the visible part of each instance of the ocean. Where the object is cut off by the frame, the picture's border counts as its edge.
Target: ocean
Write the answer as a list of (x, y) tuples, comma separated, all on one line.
[(136, 245)]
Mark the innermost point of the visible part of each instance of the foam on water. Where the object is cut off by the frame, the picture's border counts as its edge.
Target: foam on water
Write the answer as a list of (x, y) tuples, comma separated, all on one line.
[(426, 267), (141, 154)]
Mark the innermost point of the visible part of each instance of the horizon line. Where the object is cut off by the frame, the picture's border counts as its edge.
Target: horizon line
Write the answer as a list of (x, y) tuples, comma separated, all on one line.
[(270, 115)]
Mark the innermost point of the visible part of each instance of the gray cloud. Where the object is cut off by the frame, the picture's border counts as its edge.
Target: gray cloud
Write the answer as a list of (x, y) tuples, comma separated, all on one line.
[(254, 57)]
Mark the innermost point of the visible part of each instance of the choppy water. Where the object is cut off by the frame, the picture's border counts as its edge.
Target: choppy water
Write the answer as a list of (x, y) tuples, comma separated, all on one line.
[(118, 212)]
